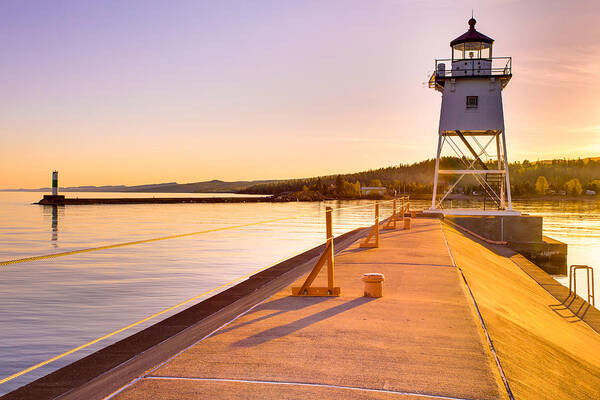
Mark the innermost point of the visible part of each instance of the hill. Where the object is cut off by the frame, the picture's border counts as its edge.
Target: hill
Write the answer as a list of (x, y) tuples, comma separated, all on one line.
[(561, 176), (214, 186)]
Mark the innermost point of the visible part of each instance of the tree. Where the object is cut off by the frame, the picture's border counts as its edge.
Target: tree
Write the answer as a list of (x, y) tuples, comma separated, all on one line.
[(339, 184), (573, 187), (357, 187), (318, 186), (350, 189), (541, 185), (375, 183), (418, 177)]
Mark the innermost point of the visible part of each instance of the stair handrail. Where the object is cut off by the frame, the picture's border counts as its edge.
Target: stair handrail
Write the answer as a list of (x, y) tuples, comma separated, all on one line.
[(591, 294)]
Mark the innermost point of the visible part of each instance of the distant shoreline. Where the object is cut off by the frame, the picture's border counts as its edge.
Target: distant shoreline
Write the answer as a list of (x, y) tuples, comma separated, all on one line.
[(63, 201), (286, 198)]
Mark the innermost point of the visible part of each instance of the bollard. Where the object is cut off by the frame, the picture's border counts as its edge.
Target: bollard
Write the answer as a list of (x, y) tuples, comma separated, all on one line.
[(373, 284), (407, 223)]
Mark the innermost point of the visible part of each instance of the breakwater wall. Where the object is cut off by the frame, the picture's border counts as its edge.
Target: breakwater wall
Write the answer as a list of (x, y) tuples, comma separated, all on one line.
[(60, 200), (522, 234)]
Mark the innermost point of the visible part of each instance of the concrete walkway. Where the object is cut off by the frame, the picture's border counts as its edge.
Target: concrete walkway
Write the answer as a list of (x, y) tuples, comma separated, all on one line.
[(546, 351), (421, 340)]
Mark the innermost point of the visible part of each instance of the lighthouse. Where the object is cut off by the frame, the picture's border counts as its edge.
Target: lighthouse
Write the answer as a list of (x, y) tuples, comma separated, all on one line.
[(54, 183), (471, 125)]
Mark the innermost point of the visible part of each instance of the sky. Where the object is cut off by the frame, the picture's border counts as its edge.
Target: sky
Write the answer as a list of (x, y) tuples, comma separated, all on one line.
[(139, 92)]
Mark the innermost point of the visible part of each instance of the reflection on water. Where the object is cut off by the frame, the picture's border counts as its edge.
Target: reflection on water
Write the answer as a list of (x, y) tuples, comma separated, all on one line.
[(49, 306), (51, 213), (54, 224)]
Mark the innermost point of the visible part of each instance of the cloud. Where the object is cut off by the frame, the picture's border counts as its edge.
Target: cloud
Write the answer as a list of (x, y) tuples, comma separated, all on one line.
[(350, 139), (576, 65), (581, 129), (589, 129), (383, 144)]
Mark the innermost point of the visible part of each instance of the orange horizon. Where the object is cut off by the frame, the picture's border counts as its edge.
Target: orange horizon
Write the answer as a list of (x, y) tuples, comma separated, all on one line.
[(281, 91), (61, 184)]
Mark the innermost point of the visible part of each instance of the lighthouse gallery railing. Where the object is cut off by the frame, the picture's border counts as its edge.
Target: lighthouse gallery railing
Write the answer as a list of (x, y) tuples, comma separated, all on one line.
[(481, 67)]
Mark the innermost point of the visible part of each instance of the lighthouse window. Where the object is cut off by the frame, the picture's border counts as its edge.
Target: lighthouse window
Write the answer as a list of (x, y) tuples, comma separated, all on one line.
[(472, 101)]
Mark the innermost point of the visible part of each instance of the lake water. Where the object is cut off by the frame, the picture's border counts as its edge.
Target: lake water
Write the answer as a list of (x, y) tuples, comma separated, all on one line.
[(50, 306)]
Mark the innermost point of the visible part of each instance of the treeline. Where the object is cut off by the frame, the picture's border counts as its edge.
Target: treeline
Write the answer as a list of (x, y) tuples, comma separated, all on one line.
[(565, 177), (568, 177), (413, 178)]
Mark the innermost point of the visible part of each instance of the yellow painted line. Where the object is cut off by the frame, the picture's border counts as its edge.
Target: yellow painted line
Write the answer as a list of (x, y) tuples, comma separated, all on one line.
[(112, 246), (141, 321), (83, 346), (361, 206)]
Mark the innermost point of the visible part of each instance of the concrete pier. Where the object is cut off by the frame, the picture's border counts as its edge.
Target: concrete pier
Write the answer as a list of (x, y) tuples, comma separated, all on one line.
[(446, 297), (547, 340), (422, 338), (419, 338)]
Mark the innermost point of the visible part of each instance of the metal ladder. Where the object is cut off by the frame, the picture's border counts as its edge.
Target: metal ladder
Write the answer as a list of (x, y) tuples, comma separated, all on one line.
[(573, 282), (494, 180)]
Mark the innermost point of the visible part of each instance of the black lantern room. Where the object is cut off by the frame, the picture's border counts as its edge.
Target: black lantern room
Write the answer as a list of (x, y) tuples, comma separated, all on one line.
[(472, 45)]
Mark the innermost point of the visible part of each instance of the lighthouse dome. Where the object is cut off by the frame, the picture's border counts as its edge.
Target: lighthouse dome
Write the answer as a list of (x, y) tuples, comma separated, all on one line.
[(472, 44)]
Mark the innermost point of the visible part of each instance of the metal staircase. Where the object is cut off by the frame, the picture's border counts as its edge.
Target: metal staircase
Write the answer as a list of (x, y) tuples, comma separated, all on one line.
[(494, 181)]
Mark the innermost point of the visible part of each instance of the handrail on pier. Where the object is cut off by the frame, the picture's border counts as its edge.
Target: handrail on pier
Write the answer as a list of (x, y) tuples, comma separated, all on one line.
[(404, 208), (390, 223), (328, 255), (573, 282)]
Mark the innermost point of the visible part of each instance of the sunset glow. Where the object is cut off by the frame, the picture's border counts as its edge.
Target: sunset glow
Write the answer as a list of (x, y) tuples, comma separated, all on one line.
[(132, 93)]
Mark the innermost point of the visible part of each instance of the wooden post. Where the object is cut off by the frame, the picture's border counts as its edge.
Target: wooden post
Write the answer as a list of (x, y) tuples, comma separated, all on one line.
[(376, 224), (374, 231), (391, 223), (326, 257), (329, 249), (402, 209)]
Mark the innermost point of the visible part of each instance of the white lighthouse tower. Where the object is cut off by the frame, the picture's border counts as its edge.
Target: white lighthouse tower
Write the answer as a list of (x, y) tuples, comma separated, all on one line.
[(472, 125)]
